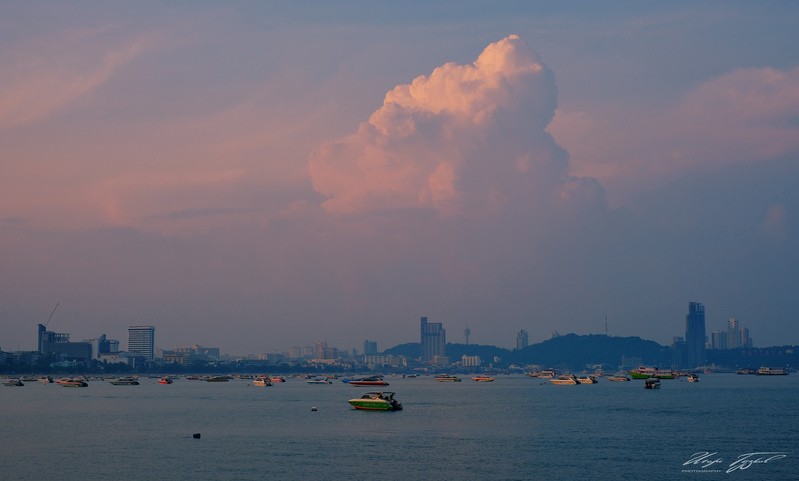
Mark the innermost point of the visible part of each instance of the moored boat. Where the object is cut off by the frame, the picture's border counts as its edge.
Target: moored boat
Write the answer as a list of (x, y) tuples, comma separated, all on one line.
[(644, 372), (261, 381), (218, 379), (565, 379), (72, 382), (125, 381), (376, 401), (319, 380), (620, 377), (587, 379), (692, 377), (772, 371), (447, 378), (13, 383), (366, 381), (165, 380), (483, 379), (45, 379)]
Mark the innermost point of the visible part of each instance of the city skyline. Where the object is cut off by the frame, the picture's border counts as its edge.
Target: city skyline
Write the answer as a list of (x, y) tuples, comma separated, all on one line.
[(262, 174)]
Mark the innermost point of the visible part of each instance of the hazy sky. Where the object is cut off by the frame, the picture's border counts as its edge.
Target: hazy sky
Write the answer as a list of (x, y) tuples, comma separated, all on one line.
[(258, 175)]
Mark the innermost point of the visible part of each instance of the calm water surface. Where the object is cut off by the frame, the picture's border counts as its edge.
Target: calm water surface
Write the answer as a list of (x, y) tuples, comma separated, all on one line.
[(516, 428)]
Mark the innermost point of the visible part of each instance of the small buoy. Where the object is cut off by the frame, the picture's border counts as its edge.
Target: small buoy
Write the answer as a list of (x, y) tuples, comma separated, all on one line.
[(196, 435), (313, 408)]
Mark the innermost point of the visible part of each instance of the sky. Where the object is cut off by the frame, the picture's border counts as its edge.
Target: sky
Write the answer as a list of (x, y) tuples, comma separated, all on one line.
[(259, 175)]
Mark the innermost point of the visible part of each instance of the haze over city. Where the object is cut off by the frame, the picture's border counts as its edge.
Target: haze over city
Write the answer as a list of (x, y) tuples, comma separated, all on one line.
[(258, 175)]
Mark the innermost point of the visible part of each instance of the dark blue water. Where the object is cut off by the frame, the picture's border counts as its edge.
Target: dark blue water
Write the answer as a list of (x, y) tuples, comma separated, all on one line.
[(515, 428)]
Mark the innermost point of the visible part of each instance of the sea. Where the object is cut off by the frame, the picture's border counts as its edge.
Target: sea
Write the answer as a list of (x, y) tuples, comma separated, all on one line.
[(725, 427)]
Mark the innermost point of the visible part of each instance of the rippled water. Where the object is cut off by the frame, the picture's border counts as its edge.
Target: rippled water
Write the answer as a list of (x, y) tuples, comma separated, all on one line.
[(516, 428)]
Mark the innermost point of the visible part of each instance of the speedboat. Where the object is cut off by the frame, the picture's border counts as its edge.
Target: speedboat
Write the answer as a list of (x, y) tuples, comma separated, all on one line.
[(565, 379), (618, 377), (652, 383), (13, 382), (261, 381), (483, 379), (693, 378), (125, 381), (45, 380), (165, 380), (376, 401), (587, 379), (218, 379), (447, 378)]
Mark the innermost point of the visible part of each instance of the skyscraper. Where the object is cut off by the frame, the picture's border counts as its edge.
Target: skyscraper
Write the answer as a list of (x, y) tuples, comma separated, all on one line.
[(141, 341), (695, 335), (433, 339), (521, 340)]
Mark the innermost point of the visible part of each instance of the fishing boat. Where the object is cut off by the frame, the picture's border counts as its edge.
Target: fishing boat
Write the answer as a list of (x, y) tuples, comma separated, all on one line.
[(261, 381), (483, 379), (565, 380), (652, 383), (125, 381), (447, 378), (376, 401), (13, 383)]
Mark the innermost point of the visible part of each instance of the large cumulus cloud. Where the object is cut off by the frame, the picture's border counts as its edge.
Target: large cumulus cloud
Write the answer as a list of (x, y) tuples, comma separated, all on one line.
[(463, 139)]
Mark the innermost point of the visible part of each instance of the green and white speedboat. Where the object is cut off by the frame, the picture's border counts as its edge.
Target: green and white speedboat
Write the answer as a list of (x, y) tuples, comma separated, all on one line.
[(376, 401)]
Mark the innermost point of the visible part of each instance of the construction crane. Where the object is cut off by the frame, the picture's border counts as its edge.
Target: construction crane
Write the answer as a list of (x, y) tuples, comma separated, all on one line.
[(51, 314)]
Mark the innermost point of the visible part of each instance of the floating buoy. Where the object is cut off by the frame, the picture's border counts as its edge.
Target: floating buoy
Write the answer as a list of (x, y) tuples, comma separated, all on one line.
[(196, 435)]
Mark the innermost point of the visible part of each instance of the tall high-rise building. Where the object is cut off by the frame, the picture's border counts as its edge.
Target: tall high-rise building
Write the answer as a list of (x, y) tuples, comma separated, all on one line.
[(369, 347), (521, 340), (695, 337), (433, 339), (141, 341)]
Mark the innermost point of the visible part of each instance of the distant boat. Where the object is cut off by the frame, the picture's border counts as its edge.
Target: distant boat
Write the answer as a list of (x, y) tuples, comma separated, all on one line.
[(545, 374), (447, 378), (376, 401), (72, 382), (692, 377), (587, 379), (564, 380), (652, 383), (621, 377), (367, 381), (13, 382), (319, 380), (483, 379), (647, 372), (125, 381), (772, 371), (746, 370), (218, 379), (261, 381), (165, 380), (45, 380)]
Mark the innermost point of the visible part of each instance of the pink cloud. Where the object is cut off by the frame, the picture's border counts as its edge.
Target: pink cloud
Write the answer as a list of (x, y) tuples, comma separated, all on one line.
[(464, 138), (42, 76), (747, 115)]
